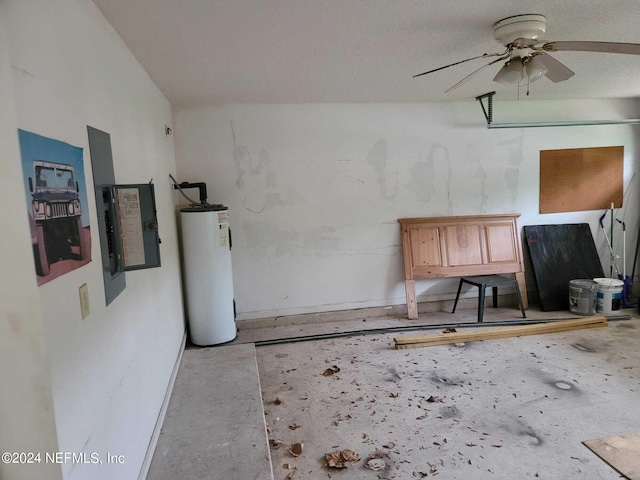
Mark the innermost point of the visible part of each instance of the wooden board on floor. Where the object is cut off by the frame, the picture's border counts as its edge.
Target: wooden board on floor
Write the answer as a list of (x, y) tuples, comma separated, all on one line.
[(621, 452), (416, 341), (560, 253)]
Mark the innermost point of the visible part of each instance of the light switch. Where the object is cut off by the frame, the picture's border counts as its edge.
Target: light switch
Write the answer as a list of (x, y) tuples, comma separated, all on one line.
[(84, 300)]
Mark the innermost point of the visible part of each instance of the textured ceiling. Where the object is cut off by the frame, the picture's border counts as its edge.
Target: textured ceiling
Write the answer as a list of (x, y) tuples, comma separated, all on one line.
[(303, 51)]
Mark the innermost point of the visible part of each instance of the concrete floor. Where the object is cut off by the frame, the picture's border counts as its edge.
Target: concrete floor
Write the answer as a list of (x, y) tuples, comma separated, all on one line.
[(214, 427), (503, 409), (500, 409)]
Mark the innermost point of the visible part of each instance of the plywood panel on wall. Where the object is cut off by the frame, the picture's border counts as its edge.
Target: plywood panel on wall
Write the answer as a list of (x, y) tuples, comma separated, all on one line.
[(578, 179)]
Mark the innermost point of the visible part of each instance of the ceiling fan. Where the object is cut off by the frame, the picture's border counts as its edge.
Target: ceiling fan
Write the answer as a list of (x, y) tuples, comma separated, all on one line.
[(526, 58)]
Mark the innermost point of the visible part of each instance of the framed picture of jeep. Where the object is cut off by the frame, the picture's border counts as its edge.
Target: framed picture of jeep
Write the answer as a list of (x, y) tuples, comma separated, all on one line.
[(56, 194)]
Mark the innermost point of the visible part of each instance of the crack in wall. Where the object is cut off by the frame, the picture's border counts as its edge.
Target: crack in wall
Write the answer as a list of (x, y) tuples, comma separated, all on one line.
[(378, 157), (478, 173), (264, 239), (260, 200), (260, 178), (512, 172), (245, 162), (424, 183)]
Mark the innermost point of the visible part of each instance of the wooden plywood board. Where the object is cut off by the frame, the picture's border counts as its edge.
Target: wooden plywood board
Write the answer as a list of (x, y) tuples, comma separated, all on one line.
[(560, 253), (432, 340), (621, 452), (578, 179)]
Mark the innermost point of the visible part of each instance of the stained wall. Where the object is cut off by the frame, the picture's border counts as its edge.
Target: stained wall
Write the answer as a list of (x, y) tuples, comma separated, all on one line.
[(315, 190)]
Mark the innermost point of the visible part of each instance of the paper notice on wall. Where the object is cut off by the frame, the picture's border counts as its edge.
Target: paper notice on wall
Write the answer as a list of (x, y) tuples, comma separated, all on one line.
[(131, 227), (223, 226)]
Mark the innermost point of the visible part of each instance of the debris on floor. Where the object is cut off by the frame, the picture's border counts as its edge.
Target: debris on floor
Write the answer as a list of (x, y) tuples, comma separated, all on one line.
[(275, 444), (296, 449), (452, 411), (341, 458), (292, 471), (331, 370), (377, 462)]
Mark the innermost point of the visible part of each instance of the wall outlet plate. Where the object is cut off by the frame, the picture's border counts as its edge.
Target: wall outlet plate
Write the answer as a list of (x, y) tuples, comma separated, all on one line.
[(84, 300)]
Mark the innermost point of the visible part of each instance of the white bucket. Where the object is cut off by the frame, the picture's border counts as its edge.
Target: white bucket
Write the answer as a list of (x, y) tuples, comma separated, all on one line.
[(582, 296), (609, 296)]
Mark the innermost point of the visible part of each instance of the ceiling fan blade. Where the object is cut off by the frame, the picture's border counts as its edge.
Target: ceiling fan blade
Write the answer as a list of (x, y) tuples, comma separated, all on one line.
[(604, 47), (484, 55), (556, 71), (464, 80)]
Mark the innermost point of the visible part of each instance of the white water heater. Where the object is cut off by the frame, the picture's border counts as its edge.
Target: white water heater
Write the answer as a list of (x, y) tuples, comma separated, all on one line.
[(206, 249)]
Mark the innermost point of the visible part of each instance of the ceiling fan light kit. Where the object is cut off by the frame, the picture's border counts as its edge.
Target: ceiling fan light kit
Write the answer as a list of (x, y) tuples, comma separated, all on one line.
[(535, 68), (512, 73), (519, 69)]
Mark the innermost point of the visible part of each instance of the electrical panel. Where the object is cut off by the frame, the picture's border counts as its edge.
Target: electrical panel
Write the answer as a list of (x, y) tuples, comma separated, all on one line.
[(131, 226), (127, 221)]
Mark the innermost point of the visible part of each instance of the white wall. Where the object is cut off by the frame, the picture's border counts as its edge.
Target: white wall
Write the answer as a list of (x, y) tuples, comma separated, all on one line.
[(315, 191), (26, 411), (108, 372)]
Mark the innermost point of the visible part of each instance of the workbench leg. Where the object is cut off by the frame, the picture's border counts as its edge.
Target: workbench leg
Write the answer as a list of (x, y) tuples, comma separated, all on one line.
[(523, 289), (412, 305)]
